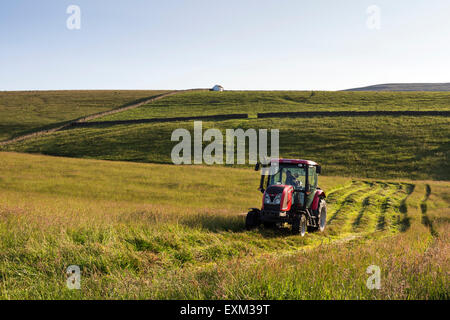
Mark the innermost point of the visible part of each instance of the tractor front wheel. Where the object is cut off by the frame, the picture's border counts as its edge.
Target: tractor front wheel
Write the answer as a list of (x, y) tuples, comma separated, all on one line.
[(252, 220), (299, 225)]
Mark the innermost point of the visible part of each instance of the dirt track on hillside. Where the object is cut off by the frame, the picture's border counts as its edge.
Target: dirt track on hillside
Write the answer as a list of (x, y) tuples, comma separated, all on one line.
[(128, 106)]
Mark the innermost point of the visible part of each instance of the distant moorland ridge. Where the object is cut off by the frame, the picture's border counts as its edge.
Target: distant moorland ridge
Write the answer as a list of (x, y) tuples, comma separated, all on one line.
[(405, 87)]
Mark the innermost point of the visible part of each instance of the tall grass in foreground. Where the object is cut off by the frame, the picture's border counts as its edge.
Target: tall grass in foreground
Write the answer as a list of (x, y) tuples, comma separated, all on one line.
[(141, 231), (413, 267)]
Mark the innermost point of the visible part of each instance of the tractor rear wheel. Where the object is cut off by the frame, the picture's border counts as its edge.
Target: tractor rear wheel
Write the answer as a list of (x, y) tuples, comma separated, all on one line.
[(322, 221), (299, 225), (321, 218), (252, 220)]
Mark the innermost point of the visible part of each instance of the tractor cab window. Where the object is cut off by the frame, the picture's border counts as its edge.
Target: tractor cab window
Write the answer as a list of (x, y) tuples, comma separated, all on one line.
[(312, 177), (289, 175), (276, 178)]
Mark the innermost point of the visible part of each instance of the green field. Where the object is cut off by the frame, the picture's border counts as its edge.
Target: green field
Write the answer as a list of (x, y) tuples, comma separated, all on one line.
[(142, 231), (371, 147), (23, 112), (142, 228), (252, 102)]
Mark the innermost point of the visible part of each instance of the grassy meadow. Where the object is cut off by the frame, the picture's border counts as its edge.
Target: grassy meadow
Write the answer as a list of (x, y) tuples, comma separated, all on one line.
[(23, 112), (370, 147), (141, 231), (108, 199), (253, 102)]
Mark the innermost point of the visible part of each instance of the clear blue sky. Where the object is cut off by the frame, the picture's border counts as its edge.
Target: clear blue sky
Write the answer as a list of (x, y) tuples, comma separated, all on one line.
[(241, 44)]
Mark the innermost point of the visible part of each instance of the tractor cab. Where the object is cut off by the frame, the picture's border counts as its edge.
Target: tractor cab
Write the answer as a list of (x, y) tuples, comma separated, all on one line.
[(291, 195), (301, 175), (298, 173)]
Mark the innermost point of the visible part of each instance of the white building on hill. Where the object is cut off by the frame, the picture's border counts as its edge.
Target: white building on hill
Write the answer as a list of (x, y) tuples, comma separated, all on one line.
[(217, 88)]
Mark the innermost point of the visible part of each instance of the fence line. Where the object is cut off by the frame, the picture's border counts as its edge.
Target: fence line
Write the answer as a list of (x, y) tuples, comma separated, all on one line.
[(160, 120), (307, 114)]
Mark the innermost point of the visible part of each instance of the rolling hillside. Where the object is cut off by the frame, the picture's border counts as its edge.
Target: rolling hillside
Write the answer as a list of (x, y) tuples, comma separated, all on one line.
[(405, 87), (253, 102), (158, 231), (24, 112), (415, 147)]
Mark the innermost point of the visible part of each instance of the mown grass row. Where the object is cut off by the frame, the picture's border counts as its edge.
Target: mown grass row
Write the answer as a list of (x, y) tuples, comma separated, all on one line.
[(137, 232), (414, 265)]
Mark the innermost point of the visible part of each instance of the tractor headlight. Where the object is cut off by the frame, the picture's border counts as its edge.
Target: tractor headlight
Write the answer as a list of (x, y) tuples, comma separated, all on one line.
[(267, 198), (276, 199)]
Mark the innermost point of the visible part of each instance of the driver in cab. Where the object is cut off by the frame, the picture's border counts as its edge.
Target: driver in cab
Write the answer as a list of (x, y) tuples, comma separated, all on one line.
[(292, 180)]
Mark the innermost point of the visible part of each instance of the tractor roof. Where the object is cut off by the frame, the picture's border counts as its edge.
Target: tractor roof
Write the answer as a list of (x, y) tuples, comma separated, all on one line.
[(295, 161)]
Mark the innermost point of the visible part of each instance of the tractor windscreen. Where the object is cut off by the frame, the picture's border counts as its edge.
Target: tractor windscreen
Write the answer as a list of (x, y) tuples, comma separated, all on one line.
[(289, 174)]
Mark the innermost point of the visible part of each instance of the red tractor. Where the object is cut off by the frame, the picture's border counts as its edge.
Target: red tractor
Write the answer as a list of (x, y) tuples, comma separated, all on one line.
[(290, 194)]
